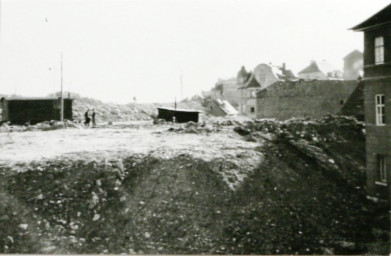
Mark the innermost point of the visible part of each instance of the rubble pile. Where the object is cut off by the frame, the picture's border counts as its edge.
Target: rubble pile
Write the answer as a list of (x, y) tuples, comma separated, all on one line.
[(331, 141), (43, 126), (196, 128)]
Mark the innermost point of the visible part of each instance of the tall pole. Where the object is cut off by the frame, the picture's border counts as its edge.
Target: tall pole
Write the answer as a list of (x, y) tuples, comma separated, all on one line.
[(181, 91), (61, 96)]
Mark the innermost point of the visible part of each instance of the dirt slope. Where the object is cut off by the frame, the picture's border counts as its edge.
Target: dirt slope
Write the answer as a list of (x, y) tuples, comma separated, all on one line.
[(279, 188)]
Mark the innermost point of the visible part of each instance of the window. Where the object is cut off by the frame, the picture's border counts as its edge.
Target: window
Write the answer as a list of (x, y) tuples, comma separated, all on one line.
[(252, 110), (381, 167), (380, 109), (379, 50)]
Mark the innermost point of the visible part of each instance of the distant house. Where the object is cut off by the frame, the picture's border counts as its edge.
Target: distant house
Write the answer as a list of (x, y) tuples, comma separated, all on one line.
[(353, 65), (377, 101), (262, 77), (228, 89), (220, 108), (320, 70), (34, 110)]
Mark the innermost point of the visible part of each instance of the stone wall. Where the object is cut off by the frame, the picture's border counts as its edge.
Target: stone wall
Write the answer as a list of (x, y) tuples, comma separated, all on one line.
[(284, 100)]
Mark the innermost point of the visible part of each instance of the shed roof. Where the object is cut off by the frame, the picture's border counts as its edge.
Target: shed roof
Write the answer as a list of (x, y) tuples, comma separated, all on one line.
[(180, 110), (379, 18), (33, 98)]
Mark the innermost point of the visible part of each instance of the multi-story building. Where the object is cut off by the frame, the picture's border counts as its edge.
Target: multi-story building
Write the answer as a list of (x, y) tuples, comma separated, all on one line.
[(377, 101)]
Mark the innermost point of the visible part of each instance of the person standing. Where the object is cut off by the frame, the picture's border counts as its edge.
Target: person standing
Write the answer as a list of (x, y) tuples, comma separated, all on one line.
[(93, 118), (86, 118)]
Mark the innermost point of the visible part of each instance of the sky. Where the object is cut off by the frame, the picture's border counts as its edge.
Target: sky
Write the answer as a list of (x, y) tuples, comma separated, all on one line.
[(120, 49)]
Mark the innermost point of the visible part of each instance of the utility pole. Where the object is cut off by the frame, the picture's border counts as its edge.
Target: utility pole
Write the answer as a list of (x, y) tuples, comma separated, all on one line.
[(61, 96), (181, 89)]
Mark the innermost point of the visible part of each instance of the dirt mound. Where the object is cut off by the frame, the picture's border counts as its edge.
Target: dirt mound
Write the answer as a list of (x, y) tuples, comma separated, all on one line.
[(296, 200)]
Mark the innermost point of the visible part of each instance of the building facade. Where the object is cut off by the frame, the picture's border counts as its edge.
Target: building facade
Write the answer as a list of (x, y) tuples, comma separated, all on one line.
[(263, 76), (301, 99), (377, 101)]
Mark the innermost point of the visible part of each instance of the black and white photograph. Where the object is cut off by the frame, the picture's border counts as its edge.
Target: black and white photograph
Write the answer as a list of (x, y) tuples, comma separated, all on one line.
[(195, 127)]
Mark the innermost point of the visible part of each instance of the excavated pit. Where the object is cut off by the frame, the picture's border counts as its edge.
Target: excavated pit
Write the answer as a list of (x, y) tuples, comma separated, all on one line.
[(278, 195)]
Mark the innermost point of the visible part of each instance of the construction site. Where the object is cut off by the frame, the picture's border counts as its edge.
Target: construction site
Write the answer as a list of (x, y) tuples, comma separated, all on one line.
[(174, 149), (219, 186)]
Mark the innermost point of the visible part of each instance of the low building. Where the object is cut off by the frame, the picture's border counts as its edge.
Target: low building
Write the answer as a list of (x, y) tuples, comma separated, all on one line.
[(34, 110), (377, 102), (353, 65), (263, 76), (178, 115), (219, 108), (320, 70), (285, 100)]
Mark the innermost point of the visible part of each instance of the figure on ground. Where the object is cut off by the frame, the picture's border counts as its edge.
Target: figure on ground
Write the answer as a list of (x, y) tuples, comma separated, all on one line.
[(93, 118), (87, 118)]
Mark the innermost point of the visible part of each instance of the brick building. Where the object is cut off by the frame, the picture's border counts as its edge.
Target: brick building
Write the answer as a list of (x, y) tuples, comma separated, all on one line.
[(377, 101)]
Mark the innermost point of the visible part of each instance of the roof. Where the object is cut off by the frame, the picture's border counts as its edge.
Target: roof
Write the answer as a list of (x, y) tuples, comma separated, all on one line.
[(179, 110), (355, 52), (226, 107), (380, 18), (33, 98), (317, 66), (251, 83)]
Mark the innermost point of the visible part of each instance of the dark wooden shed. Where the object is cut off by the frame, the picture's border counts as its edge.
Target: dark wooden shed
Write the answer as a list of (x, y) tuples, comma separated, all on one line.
[(34, 110), (181, 115)]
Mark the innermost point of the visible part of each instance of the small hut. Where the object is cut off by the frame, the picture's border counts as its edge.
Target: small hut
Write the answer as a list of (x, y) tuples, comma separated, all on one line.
[(180, 115), (34, 110)]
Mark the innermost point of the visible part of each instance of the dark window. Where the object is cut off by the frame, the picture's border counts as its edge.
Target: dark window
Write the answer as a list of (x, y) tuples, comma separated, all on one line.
[(341, 102), (252, 109), (382, 168)]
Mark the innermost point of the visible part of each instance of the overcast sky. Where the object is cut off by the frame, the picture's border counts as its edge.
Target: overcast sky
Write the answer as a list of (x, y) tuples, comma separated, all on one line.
[(117, 50)]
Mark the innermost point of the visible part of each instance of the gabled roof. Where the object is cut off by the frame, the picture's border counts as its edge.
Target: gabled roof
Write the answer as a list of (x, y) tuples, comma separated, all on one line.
[(355, 52), (251, 83), (382, 17), (318, 66)]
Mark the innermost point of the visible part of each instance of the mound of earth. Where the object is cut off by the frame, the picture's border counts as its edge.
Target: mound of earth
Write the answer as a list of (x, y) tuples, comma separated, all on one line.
[(296, 188)]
